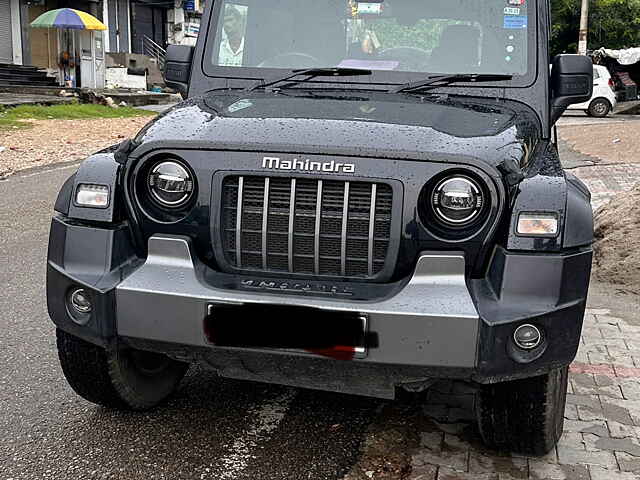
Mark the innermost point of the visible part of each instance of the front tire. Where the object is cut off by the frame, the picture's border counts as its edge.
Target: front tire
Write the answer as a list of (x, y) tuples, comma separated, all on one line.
[(599, 108), (123, 379), (524, 416)]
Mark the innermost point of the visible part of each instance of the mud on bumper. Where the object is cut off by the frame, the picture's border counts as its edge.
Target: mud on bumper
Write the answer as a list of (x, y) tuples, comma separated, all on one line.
[(437, 324)]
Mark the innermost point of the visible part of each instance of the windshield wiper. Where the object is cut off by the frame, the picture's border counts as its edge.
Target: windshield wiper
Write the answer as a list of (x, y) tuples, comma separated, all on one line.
[(440, 80), (312, 73)]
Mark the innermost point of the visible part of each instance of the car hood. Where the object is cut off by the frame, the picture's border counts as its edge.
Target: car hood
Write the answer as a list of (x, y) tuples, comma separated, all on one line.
[(373, 124)]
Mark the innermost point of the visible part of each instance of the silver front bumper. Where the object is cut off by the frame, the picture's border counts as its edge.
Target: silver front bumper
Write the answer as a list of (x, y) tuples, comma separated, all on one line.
[(432, 321)]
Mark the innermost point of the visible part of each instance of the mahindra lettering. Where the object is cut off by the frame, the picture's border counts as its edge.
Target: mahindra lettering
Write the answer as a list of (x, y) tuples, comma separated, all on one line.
[(357, 197)]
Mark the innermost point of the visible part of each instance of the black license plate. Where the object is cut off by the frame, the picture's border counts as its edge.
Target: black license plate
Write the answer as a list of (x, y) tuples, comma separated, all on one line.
[(329, 333)]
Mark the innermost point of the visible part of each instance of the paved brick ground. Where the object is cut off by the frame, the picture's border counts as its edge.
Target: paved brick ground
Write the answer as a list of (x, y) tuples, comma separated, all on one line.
[(606, 181), (602, 419), (609, 173)]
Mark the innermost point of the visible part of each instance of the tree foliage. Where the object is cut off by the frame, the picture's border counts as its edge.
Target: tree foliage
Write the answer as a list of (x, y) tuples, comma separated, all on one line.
[(612, 24)]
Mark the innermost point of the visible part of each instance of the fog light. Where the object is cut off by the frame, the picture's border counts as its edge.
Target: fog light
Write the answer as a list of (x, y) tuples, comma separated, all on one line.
[(80, 301), (527, 337)]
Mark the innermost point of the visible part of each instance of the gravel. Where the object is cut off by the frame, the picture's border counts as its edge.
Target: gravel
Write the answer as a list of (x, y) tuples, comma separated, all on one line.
[(53, 141)]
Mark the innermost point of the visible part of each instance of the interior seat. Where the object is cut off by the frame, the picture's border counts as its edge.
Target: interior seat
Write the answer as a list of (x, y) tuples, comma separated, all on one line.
[(458, 51)]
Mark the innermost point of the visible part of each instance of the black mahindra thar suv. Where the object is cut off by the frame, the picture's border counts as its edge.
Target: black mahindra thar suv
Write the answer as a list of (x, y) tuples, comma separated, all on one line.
[(354, 196)]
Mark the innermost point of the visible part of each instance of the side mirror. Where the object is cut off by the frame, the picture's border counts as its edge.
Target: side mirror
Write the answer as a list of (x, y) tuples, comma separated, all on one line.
[(571, 82), (177, 68)]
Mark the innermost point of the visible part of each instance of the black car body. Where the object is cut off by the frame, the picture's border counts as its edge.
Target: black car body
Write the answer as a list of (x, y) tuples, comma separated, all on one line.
[(309, 234)]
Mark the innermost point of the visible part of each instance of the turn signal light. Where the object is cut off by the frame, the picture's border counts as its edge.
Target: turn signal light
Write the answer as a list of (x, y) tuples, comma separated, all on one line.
[(89, 195), (538, 224)]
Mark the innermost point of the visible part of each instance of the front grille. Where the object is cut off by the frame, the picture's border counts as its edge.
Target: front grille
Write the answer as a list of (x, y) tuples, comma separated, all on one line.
[(306, 226)]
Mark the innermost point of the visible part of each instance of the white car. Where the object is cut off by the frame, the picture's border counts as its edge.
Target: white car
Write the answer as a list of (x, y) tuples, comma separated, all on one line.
[(603, 100)]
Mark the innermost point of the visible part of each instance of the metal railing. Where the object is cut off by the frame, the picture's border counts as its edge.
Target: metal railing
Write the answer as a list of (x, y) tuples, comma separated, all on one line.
[(153, 50)]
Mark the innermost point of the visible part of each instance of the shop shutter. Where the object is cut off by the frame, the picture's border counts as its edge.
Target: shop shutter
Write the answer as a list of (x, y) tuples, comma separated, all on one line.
[(6, 33)]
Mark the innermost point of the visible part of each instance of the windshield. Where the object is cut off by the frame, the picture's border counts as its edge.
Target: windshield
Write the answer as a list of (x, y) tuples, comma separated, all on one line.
[(426, 36)]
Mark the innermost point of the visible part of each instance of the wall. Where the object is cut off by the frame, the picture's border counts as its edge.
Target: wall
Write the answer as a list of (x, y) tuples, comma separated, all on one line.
[(42, 55)]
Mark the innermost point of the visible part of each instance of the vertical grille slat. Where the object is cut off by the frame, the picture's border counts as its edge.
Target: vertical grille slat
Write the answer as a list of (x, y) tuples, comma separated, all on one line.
[(306, 226), (343, 236), (239, 223), (372, 226), (316, 243), (292, 218), (265, 222)]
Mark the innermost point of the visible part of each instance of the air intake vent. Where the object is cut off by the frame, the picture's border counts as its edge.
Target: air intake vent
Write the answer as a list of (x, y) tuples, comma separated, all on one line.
[(306, 226)]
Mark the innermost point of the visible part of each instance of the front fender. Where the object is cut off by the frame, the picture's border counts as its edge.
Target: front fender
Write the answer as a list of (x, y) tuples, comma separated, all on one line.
[(98, 169), (548, 188)]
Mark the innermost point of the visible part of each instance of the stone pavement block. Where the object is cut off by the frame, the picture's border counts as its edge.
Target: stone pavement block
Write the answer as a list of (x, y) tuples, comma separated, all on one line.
[(539, 470), (611, 332), (632, 344), (448, 474), (628, 446), (632, 330), (592, 330), (622, 349), (598, 473), (616, 412), (587, 400), (589, 441), (597, 311), (620, 430), (631, 406), (571, 412), (621, 360), (605, 380), (574, 456), (572, 440), (510, 467), (454, 454), (588, 414), (425, 472), (581, 356), (627, 462), (454, 460), (630, 388), (585, 384), (597, 426), (599, 358)]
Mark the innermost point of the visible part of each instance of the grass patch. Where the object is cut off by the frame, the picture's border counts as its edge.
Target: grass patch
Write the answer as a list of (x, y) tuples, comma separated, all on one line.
[(19, 116)]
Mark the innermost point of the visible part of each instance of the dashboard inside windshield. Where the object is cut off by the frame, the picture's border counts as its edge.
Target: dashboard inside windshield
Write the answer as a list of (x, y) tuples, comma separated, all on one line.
[(426, 36)]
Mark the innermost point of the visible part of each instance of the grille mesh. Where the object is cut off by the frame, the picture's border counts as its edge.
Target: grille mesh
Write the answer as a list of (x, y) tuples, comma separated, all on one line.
[(306, 226)]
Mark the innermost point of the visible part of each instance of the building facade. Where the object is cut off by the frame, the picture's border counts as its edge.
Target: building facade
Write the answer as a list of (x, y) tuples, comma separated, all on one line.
[(11, 38), (130, 24)]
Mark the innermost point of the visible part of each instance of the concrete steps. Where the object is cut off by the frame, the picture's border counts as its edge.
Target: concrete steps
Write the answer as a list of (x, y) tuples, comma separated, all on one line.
[(24, 75)]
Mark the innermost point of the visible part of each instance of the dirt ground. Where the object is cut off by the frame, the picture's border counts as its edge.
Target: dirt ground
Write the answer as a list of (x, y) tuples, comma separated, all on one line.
[(611, 143), (617, 249), (52, 141)]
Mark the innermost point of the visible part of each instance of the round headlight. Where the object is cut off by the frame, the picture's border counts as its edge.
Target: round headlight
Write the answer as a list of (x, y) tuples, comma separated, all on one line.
[(170, 184), (457, 201)]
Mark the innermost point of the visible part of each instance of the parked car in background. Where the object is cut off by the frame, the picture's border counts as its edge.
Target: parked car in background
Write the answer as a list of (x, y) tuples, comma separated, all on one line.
[(603, 100)]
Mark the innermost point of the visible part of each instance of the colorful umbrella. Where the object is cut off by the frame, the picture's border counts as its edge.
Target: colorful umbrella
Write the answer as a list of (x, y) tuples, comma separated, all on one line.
[(68, 18)]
